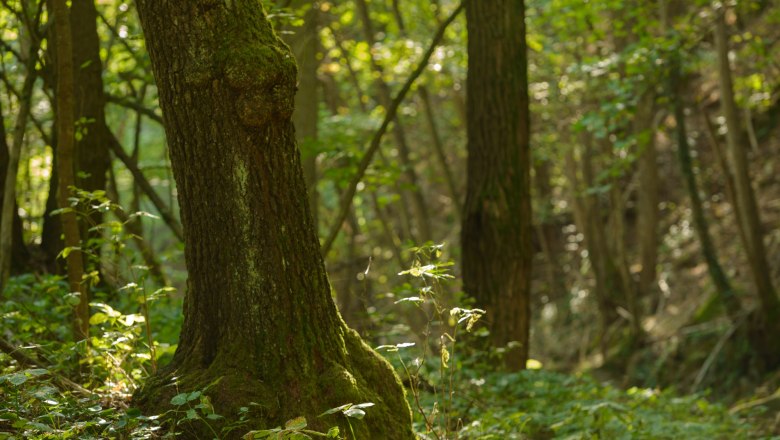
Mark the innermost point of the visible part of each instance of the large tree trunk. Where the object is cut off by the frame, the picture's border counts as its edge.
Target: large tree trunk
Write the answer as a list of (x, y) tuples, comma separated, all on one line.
[(496, 234), (258, 313)]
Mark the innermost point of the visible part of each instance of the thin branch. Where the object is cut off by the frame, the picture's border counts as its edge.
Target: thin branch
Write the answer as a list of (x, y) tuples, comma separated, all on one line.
[(134, 105), (349, 194), (115, 34), (140, 179), (18, 95)]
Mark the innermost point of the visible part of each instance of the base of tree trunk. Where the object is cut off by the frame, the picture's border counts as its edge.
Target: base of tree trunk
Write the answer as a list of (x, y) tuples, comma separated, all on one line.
[(273, 397)]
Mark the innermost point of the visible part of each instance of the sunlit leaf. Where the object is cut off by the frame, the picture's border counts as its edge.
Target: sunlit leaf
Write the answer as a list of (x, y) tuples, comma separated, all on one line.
[(296, 423)]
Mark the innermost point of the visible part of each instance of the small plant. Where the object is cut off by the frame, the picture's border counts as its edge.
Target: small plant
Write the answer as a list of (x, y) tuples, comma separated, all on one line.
[(192, 407), (438, 417), (296, 428)]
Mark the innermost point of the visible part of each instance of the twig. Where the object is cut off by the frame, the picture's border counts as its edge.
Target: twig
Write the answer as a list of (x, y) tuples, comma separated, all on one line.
[(755, 403), (133, 105)]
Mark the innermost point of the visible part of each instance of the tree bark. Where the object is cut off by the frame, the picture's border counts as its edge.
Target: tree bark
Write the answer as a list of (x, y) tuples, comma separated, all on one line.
[(496, 231), (648, 196), (91, 155), (65, 158), (259, 319)]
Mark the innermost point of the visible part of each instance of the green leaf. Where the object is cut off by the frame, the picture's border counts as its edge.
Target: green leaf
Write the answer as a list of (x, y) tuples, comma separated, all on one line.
[(179, 399), (191, 414), (342, 407), (39, 426), (296, 423), (262, 433), (17, 379), (333, 432), (98, 318), (364, 405), (355, 413), (193, 395)]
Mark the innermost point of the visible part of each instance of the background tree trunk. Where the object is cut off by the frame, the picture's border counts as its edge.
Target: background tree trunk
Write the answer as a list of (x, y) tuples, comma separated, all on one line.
[(258, 314), (496, 233), (91, 155), (648, 197), (11, 242), (719, 278), (746, 207), (65, 158)]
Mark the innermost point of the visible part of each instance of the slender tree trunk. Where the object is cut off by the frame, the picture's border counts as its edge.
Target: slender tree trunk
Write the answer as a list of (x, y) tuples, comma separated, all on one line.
[(496, 232), (51, 235), (717, 275), (9, 219), (91, 155), (609, 293), (746, 208), (259, 320), (648, 199), (616, 239), (549, 235), (65, 158), (439, 149)]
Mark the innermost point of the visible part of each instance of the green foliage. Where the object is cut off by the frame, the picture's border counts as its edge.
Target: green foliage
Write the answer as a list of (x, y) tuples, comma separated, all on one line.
[(296, 428), (544, 404)]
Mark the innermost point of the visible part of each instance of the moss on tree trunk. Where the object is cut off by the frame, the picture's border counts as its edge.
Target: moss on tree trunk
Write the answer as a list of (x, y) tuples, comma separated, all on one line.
[(258, 313)]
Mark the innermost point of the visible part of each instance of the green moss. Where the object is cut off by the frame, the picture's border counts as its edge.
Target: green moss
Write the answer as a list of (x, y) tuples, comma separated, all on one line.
[(258, 65)]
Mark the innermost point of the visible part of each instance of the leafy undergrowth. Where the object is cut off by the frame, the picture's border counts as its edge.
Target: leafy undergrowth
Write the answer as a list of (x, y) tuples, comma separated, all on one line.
[(53, 389), (542, 404), (532, 404)]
